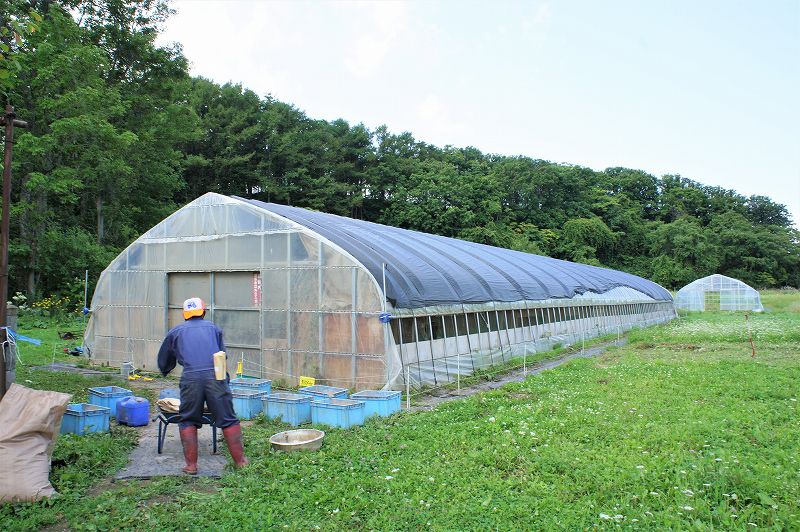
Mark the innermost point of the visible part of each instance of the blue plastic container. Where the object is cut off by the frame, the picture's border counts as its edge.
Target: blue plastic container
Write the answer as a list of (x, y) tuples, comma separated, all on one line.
[(251, 384), (108, 396), (319, 391), (83, 418), (133, 411), (378, 402), (247, 403), (343, 413), (292, 408)]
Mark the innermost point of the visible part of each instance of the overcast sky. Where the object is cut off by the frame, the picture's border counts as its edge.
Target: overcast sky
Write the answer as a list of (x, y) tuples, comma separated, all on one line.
[(709, 90)]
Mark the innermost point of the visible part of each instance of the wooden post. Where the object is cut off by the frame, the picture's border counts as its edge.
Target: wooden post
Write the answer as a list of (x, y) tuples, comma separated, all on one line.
[(9, 121)]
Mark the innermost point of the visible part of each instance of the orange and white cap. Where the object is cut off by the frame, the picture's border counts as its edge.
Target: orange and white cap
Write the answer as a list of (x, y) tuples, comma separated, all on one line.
[(193, 306)]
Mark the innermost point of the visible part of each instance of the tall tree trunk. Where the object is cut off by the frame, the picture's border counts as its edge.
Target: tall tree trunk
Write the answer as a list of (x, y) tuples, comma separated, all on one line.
[(31, 281), (101, 221), (24, 236)]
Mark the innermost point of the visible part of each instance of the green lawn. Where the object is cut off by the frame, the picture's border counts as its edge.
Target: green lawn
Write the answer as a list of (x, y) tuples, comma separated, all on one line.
[(680, 429)]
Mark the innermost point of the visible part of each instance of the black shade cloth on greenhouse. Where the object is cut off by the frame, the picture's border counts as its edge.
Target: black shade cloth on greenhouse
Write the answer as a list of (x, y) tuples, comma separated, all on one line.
[(425, 270)]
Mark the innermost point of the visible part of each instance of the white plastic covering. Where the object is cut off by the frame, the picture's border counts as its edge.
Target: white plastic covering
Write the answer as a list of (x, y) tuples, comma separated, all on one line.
[(718, 292), (437, 344), (293, 303)]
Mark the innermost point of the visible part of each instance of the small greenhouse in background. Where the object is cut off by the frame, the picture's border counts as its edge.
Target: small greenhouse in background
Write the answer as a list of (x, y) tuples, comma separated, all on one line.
[(718, 292), (351, 303)]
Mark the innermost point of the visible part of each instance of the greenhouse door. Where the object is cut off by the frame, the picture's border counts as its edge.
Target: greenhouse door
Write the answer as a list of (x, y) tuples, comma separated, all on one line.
[(234, 304), (711, 300)]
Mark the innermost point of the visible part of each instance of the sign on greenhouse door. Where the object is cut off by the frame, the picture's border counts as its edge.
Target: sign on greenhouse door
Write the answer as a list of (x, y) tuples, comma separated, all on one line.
[(256, 289)]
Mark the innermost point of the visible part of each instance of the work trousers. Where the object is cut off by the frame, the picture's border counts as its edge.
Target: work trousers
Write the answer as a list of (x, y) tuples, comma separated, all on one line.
[(216, 394)]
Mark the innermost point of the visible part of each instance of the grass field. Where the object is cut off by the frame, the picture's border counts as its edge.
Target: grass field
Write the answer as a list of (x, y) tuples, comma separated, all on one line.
[(681, 429)]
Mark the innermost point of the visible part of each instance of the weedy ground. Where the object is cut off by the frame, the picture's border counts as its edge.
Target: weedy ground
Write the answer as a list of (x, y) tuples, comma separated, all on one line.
[(680, 429)]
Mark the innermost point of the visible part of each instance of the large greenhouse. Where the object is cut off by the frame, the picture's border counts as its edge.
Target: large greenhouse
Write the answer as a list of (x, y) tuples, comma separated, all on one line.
[(718, 292), (351, 303)]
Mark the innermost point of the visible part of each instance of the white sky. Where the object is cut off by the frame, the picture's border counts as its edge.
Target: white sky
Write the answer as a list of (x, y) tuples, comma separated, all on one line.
[(709, 90)]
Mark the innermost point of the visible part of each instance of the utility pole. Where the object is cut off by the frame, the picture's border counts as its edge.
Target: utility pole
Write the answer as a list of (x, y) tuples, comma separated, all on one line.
[(9, 120)]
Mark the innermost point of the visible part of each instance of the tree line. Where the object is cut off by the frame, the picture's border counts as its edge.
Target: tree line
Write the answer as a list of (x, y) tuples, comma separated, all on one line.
[(121, 135)]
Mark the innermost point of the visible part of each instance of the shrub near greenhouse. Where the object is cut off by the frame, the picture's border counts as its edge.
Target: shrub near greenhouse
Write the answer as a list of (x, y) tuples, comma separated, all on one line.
[(62, 307)]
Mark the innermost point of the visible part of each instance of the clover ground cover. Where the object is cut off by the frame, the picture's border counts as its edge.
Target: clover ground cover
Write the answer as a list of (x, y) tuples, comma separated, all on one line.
[(682, 429)]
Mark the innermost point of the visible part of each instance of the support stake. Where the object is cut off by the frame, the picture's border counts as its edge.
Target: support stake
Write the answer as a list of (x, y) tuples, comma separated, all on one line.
[(525, 362), (750, 334), (85, 297), (408, 387), (458, 372)]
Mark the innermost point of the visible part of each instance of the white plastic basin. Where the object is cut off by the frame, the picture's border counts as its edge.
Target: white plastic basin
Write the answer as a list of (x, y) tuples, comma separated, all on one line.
[(297, 440)]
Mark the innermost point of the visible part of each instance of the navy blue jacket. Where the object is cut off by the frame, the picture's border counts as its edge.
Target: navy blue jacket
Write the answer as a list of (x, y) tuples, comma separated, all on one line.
[(191, 344)]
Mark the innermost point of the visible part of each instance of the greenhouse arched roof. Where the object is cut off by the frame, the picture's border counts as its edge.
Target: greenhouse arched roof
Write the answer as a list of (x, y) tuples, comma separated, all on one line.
[(425, 270)]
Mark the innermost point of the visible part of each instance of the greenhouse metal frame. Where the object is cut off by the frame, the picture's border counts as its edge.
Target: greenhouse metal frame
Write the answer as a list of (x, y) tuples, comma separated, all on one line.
[(718, 292), (351, 303)]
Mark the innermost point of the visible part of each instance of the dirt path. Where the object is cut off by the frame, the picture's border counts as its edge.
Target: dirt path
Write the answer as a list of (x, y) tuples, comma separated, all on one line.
[(64, 367), (429, 402)]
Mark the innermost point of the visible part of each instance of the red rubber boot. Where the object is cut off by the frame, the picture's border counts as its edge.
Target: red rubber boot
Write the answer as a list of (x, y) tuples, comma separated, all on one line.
[(233, 438), (189, 441)]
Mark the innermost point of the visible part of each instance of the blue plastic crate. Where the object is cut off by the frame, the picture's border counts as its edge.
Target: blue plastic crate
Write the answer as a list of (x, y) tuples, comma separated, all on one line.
[(251, 384), (170, 393), (382, 403), (108, 396), (319, 391), (246, 403), (83, 418), (292, 408), (343, 413)]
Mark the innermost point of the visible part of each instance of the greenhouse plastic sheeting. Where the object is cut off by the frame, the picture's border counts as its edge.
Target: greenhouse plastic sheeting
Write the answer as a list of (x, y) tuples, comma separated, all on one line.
[(300, 293), (425, 270)]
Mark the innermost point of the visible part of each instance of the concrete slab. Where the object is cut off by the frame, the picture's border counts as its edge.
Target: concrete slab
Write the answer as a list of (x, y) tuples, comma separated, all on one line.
[(145, 462)]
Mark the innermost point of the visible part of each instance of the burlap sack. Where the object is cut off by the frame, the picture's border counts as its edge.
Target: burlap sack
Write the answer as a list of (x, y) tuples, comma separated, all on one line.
[(29, 424)]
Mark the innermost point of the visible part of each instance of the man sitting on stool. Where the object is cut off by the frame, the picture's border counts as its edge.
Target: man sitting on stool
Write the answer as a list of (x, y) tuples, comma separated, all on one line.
[(192, 344)]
